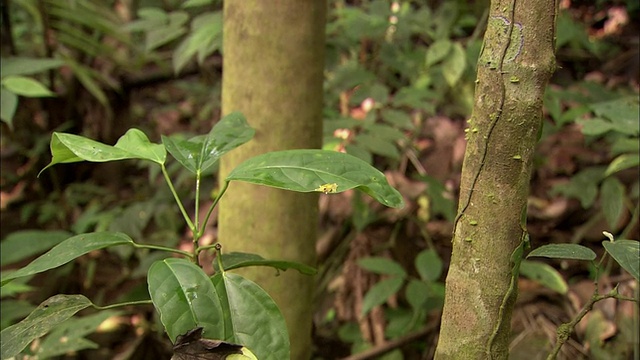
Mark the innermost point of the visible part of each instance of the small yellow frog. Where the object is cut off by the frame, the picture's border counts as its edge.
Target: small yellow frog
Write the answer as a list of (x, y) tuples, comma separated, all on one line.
[(328, 188)]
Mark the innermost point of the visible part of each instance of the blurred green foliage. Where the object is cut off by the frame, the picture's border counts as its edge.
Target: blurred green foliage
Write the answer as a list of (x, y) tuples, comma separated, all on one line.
[(390, 65)]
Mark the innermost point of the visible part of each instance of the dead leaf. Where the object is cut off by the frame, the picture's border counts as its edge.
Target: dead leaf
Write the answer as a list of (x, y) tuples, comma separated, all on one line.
[(191, 346)]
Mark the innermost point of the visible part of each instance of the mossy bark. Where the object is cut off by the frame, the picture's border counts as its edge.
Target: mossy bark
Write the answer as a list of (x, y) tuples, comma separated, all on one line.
[(514, 67), (273, 74)]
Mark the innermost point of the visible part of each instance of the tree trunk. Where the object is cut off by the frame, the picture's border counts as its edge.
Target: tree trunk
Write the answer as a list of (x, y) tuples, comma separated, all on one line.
[(273, 74), (481, 288)]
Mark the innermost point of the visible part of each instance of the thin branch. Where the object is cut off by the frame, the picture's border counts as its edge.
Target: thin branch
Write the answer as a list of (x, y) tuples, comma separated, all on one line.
[(393, 344), (565, 330)]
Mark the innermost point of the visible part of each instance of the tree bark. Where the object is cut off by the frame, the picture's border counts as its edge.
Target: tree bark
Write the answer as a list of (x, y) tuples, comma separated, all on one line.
[(273, 73), (514, 67)]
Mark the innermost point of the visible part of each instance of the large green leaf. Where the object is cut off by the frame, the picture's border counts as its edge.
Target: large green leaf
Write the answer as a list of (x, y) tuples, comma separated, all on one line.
[(544, 274), (185, 298), (45, 317), (236, 260), (626, 253), (310, 170), (622, 162), (256, 321), (25, 86), (27, 66), (8, 106), (201, 152), (138, 145), (612, 195), (22, 244), (68, 250), (564, 251), (134, 144)]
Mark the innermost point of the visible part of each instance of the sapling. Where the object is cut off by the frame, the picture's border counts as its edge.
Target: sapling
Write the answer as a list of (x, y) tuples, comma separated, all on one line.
[(220, 314)]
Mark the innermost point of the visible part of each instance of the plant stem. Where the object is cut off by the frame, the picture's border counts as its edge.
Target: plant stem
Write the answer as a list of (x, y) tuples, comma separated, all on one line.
[(195, 230), (565, 330), (175, 195), (163, 248), (215, 202), (112, 306), (219, 256), (203, 248)]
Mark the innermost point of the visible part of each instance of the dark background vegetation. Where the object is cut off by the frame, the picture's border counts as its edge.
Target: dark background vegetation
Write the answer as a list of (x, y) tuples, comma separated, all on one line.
[(399, 84)]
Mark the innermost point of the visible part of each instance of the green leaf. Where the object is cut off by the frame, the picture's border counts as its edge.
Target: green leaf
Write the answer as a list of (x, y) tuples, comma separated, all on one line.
[(378, 145), (12, 310), (307, 170), (359, 152), (43, 319), (417, 293), (415, 98), (196, 3), (25, 86), (149, 18), (563, 251), (440, 200), (8, 106), (623, 162), (204, 38), (626, 253), (438, 51), (68, 250), (69, 336), (380, 292), (134, 144), (380, 265), (544, 274), (595, 126), (185, 298), (173, 29), (16, 287), (27, 66), (255, 319), (612, 197), (202, 152), (454, 65), (582, 186), (429, 265), (22, 244), (138, 145), (623, 145), (385, 132), (236, 260), (87, 78), (397, 118), (623, 113)]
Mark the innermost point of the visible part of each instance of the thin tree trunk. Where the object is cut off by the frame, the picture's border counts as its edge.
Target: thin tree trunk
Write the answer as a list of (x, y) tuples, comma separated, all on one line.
[(514, 67), (273, 74)]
